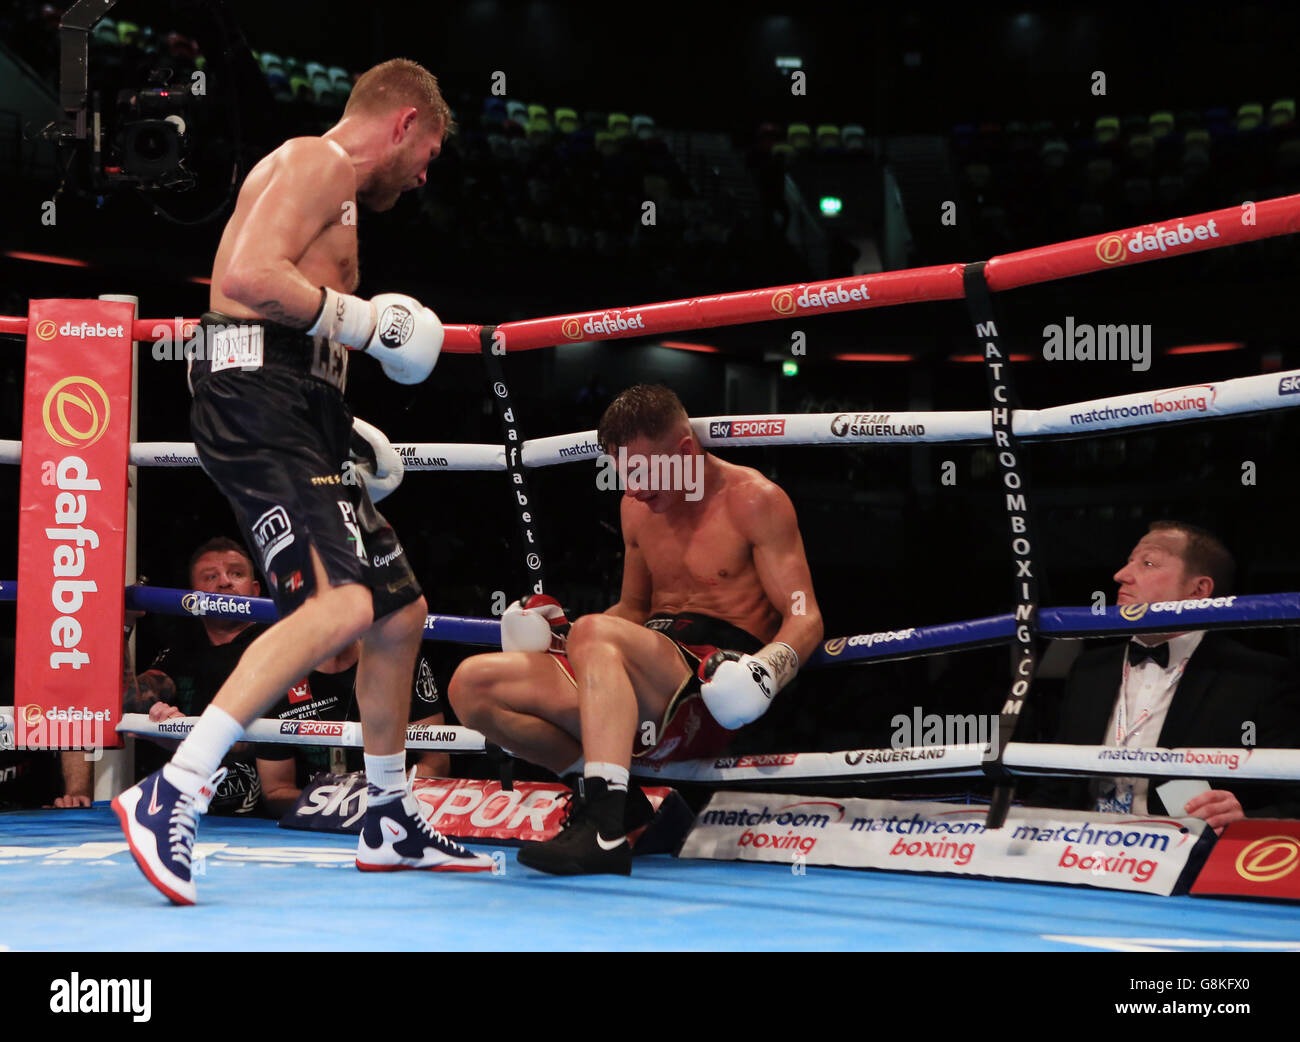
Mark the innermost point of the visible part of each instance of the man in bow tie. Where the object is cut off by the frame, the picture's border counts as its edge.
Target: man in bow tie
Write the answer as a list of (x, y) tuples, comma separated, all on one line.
[(1169, 690)]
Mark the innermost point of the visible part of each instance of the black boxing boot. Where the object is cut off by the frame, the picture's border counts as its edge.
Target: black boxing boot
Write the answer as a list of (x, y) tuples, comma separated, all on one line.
[(591, 840), (638, 811)]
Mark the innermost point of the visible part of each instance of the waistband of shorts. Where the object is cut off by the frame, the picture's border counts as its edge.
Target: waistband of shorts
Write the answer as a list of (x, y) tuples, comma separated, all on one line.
[(283, 347), (703, 629)]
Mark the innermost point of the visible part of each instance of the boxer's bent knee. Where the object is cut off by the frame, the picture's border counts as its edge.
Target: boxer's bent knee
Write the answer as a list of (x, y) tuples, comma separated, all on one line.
[(472, 688), (594, 631), (513, 682)]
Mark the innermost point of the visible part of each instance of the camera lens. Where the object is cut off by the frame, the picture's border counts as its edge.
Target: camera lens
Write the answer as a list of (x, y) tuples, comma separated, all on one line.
[(151, 147)]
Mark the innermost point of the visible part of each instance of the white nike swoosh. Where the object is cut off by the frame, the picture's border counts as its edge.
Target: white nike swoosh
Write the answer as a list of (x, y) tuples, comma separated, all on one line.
[(606, 844), (154, 808)]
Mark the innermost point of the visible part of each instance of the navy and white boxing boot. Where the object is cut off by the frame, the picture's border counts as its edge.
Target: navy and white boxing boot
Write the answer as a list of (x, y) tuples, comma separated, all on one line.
[(160, 821), (396, 835)]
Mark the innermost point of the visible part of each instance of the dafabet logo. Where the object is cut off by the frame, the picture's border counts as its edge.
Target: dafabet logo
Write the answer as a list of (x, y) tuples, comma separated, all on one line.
[(76, 411)]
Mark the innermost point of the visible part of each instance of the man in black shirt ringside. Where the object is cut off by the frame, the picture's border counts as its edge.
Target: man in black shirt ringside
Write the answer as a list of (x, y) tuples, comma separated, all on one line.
[(185, 676)]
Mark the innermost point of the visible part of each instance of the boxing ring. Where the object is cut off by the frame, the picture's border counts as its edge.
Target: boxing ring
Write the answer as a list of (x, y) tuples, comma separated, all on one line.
[(674, 903)]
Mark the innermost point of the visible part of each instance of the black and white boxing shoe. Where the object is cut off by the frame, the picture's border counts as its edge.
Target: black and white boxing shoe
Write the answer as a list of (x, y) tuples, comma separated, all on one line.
[(581, 849)]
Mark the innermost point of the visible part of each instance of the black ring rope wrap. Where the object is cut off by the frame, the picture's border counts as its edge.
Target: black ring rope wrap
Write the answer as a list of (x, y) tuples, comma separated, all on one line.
[(1002, 400), (525, 512)]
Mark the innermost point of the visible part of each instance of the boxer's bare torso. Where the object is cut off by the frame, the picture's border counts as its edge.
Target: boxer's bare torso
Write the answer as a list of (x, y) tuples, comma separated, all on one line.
[(302, 199), (701, 558)]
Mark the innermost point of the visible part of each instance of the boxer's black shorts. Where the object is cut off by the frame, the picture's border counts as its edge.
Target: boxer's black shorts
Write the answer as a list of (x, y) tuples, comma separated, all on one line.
[(272, 430)]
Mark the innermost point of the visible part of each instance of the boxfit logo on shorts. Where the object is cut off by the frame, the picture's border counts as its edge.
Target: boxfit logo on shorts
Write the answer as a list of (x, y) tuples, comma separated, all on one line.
[(396, 323), (76, 412)]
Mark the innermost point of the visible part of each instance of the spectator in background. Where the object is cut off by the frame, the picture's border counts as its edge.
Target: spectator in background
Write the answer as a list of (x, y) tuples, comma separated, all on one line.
[(329, 693), (185, 677), (1183, 689)]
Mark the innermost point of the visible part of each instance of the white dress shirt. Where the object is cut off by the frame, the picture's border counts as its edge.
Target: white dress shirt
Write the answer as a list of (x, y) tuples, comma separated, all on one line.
[(1145, 693)]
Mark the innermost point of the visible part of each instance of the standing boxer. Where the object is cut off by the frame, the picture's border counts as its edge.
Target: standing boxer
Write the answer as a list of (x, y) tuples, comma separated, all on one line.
[(272, 430), (715, 614)]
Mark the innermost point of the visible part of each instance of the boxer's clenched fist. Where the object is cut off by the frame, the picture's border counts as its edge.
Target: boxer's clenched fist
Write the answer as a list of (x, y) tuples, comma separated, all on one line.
[(404, 335), (534, 623), (737, 689)]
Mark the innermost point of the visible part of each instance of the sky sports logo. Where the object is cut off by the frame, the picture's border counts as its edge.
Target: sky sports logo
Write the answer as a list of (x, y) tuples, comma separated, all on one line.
[(1289, 385), (747, 428), (311, 727)]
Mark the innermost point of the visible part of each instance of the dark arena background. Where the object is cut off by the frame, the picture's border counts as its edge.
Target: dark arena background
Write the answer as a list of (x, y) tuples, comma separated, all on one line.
[(778, 147)]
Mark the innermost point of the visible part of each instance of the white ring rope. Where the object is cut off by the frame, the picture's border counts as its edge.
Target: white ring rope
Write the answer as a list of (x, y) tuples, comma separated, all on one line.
[(1238, 396), (1239, 764), (345, 734)]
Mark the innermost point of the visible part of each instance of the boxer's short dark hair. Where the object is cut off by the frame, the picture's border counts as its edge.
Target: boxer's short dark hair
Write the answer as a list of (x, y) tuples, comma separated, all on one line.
[(1205, 554), (399, 82), (218, 545), (643, 411)]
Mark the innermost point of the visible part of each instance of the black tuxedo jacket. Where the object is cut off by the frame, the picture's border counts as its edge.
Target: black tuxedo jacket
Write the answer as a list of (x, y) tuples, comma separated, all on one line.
[(1225, 686)]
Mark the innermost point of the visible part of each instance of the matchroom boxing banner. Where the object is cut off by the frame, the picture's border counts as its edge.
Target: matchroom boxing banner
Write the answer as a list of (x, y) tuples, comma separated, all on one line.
[(72, 523), (1150, 854)]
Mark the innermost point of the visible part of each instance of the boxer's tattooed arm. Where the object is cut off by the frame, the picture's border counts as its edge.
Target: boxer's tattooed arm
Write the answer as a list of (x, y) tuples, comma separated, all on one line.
[(782, 661), (274, 310)]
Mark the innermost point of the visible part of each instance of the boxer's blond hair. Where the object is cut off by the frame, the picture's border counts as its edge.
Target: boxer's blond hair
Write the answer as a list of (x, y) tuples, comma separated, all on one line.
[(396, 83), (643, 411)]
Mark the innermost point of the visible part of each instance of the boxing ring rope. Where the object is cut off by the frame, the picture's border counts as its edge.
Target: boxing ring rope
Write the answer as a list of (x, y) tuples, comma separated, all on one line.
[(1229, 226), (1240, 396), (1226, 227), (1239, 611)]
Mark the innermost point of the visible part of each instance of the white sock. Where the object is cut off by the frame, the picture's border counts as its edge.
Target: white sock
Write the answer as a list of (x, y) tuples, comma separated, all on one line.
[(576, 767), (387, 775), (201, 753), (615, 776)]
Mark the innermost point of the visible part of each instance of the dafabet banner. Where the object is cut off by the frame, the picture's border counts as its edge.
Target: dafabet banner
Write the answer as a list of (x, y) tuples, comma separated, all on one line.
[(72, 523)]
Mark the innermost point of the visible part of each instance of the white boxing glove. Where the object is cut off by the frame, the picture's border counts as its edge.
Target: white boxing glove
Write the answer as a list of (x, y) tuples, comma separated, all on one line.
[(535, 623), (737, 689), (404, 335), (407, 338), (375, 459)]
